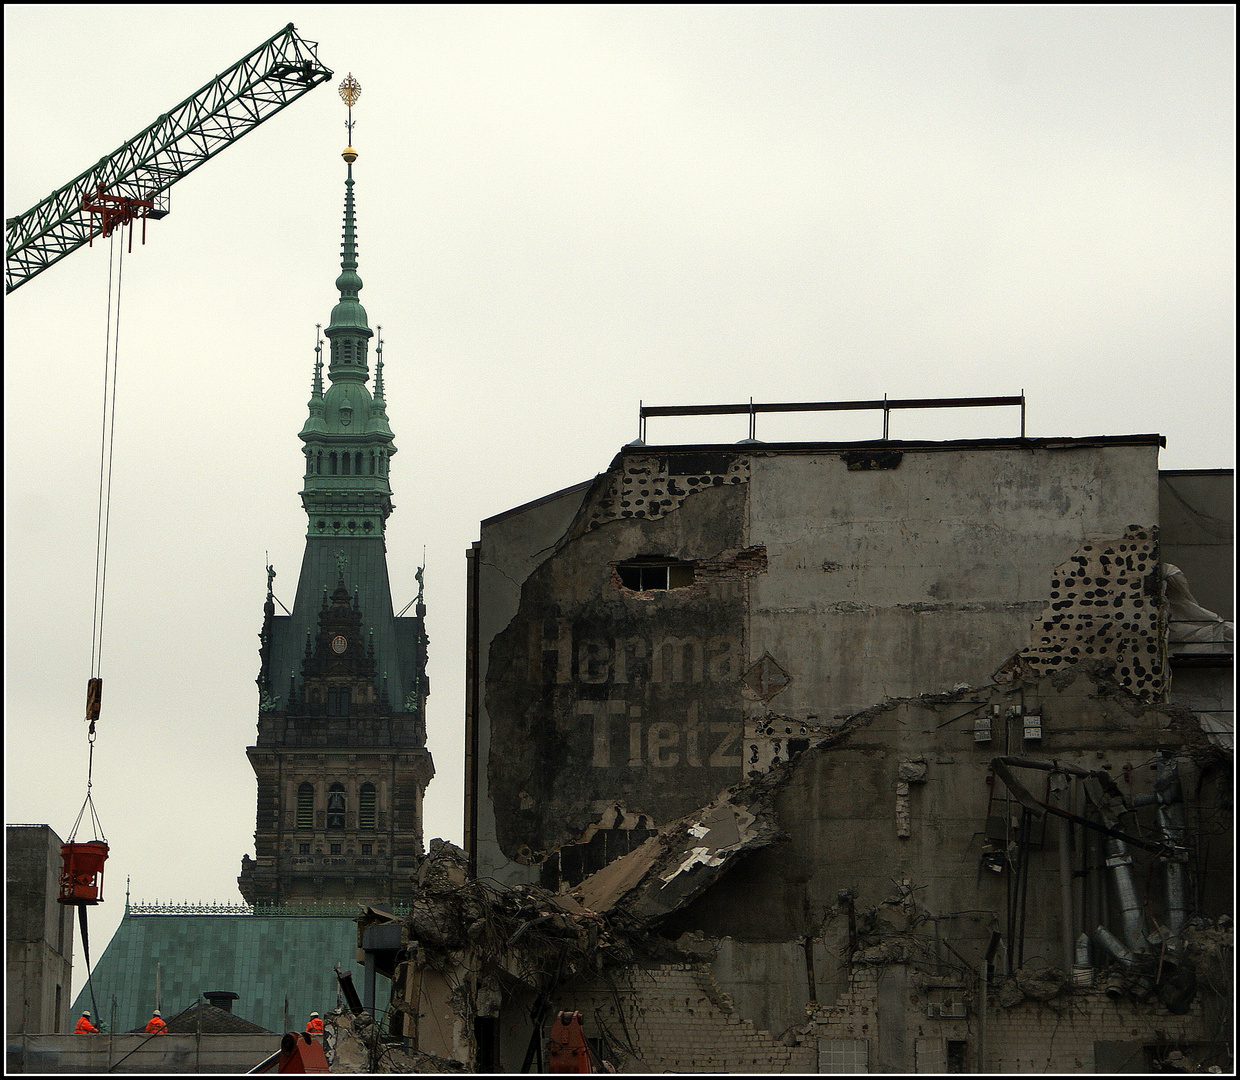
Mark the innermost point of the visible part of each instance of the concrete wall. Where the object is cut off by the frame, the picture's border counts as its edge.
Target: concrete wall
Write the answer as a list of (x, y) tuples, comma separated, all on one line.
[(820, 589), (141, 1053), (897, 582), (512, 546), (39, 933)]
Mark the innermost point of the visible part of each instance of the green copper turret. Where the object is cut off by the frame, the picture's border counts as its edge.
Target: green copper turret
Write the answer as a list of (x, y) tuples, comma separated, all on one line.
[(348, 440)]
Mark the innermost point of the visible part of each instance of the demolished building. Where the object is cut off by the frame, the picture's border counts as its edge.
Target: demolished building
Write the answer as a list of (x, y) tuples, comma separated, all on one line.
[(892, 757)]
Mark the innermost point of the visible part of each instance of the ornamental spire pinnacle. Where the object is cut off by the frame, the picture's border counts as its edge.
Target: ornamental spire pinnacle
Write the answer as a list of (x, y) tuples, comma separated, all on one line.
[(348, 330)]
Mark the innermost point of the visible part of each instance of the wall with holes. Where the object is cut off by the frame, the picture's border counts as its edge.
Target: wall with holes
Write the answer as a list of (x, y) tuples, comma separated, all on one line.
[(1105, 603), (929, 571)]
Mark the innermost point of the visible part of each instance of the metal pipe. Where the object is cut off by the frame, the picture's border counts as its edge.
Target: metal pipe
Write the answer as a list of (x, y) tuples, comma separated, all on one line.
[(1024, 888), (1114, 946), (1082, 950), (1120, 863), (1171, 821), (1065, 890), (987, 961)]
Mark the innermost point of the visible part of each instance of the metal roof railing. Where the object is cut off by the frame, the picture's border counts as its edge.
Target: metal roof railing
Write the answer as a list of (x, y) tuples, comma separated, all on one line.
[(886, 404), (348, 909)]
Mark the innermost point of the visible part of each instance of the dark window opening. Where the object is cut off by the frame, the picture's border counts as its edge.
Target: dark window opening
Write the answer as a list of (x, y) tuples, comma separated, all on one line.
[(372, 463), (357, 459), (956, 1049), (347, 461), (642, 576), (303, 849), (305, 806), (599, 1051), (335, 850), (338, 699), (318, 467), (367, 849), (335, 810), (366, 807), (486, 1036), (574, 863), (332, 463)]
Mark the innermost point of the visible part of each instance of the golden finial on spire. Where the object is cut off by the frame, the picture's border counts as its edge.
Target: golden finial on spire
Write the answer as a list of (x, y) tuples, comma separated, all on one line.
[(350, 91)]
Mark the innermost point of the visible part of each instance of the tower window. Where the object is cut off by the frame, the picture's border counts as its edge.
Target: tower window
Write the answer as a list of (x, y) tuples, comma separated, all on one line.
[(366, 807), (305, 806), (335, 806), (303, 849), (332, 462), (348, 460), (367, 849), (318, 468), (338, 698), (358, 463), (372, 463)]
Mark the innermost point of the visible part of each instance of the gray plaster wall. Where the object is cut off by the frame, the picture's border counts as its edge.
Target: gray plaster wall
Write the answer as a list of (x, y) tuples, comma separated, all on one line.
[(767, 980), (896, 582), (38, 930), (513, 545)]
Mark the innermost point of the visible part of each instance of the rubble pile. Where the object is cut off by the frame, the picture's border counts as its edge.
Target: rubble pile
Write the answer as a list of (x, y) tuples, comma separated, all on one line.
[(523, 932)]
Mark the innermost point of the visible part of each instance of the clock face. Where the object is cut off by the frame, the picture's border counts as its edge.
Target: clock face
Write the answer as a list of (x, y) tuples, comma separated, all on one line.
[(339, 645)]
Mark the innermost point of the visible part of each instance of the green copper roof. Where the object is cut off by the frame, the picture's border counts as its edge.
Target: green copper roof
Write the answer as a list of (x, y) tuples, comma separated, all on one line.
[(265, 959)]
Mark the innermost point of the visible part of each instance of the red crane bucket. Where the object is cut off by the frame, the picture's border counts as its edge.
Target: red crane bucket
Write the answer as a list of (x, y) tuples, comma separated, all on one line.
[(81, 876)]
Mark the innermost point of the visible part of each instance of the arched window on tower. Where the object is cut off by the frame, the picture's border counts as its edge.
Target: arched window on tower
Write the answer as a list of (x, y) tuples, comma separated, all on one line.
[(338, 700), (372, 463), (358, 463), (335, 806), (318, 468), (347, 459), (305, 806), (332, 461), (366, 807)]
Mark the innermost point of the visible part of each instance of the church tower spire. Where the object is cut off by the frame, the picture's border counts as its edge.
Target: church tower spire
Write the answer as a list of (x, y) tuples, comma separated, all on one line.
[(341, 755)]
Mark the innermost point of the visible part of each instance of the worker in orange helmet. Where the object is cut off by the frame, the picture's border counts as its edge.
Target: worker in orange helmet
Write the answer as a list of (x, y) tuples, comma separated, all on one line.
[(84, 1026), (155, 1025), (314, 1026)]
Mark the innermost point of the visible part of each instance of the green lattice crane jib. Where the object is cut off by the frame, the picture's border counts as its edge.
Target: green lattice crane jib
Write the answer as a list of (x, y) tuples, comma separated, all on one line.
[(141, 171)]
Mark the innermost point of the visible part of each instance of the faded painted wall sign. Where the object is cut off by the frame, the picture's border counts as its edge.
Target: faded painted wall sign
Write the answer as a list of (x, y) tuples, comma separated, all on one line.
[(765, 679), (597, 693)]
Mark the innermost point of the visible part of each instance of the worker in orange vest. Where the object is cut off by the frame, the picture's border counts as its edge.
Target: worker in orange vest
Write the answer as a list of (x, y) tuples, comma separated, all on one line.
[(155, 1025), (314, 1026), (84, 1026)]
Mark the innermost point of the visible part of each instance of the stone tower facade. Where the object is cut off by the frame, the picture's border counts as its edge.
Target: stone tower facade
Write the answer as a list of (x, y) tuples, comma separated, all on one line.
[(341, 756)]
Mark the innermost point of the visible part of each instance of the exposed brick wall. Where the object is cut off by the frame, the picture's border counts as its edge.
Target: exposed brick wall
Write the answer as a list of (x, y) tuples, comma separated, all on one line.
[(1059, 1035), (1055, 1036), (675, 1018)]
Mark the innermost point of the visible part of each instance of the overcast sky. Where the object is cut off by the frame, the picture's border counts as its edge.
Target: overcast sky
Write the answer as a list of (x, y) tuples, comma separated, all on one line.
[(562, 211)]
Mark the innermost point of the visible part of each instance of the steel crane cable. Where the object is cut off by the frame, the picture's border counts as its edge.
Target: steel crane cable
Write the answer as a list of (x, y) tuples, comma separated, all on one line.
[(107, 440), (111, 356)]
